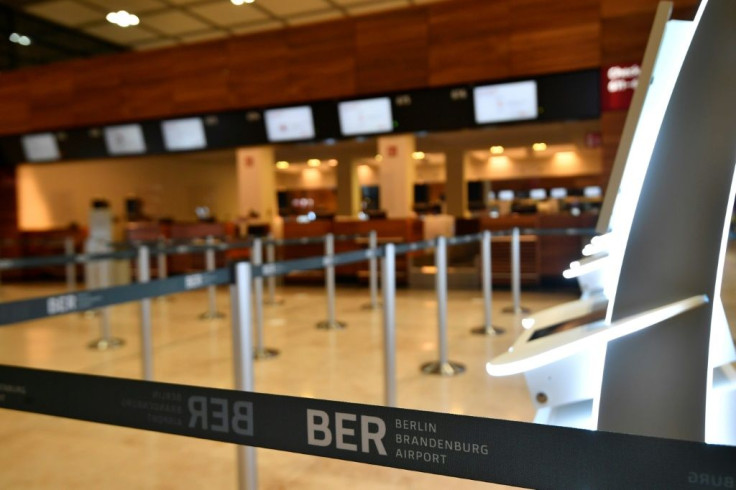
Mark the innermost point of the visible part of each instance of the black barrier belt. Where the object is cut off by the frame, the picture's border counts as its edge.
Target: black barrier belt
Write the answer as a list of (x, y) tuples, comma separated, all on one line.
[(309, 263), (45, 306), (403, 248), (458, 240), (27, 262), (490, 450), (559, 231)]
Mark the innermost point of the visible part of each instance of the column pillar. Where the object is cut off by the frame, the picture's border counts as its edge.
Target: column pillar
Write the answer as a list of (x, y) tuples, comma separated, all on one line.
[(397, 175), (348, 189), (257, 184), (456, 187)]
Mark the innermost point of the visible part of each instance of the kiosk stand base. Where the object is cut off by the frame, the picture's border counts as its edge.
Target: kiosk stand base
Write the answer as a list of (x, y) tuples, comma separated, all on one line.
[(447, 368)]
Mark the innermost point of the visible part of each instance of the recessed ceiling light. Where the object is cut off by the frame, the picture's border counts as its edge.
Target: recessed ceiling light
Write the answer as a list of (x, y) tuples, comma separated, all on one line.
[(123, 18), (332, 162), (496, 149), (418, 155), (378, 157), (20, 39), (282, 165), (313, 162), (539, 146), (241, 2)]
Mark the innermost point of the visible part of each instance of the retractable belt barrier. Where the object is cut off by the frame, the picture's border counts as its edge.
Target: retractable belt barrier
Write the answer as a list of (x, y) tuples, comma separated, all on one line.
[(20, 263), (490, 450), (41, 307)]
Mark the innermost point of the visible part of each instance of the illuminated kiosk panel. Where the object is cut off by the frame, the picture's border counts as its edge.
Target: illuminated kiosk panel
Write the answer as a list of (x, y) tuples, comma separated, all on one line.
[(289, 124), (41, 147)]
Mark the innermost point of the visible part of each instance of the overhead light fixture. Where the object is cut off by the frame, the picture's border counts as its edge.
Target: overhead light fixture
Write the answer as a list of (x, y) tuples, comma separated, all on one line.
[(539, 146), (496, 149), (332, 162), (314, 162), (282, 165), (123, 18), (418, 155), (241, 2), (20, 39), (379, 158)]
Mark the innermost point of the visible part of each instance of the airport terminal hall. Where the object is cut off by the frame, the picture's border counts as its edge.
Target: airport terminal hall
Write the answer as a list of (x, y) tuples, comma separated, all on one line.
[(367, 244)]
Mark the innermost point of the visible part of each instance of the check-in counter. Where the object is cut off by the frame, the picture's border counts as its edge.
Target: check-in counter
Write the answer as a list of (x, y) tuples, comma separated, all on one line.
[(387, 230), (543, 257)]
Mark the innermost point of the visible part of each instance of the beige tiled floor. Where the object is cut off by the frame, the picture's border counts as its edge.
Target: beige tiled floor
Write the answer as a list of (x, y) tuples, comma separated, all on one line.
[(45, 452)]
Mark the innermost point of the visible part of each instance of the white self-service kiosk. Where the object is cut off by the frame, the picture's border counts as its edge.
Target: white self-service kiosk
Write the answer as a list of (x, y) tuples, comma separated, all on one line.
[(647, 346)]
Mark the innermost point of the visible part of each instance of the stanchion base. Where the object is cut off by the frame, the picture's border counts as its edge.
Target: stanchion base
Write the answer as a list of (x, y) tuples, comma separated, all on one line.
[(265, 353), (211, 315), (106, 344), (448, 368), (511, 309), (490, 331), (276, 301), (334, 325), (371, 306)]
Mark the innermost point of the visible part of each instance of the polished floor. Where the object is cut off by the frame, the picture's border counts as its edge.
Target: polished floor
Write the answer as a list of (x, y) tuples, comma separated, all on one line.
[(41, 452)]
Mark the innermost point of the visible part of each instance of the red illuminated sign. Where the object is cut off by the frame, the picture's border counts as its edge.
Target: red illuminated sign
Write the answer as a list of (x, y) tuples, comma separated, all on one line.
[(618, 84)]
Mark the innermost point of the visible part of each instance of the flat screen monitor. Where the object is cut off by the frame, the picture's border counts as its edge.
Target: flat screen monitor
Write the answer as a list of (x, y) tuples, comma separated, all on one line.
[(184, 134), (558, 193), (126, 139), (503, 102), (506, 195), (41, 147), (365, 116), (289, 124), (538, 194)]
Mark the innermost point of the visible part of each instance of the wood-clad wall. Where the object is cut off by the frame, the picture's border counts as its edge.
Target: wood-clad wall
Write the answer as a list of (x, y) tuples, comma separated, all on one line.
[(437, 44), (443, 43)]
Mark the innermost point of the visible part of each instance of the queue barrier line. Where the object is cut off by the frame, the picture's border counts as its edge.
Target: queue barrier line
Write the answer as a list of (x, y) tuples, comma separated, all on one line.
[(490, 450), (27, 262), (61, 304)]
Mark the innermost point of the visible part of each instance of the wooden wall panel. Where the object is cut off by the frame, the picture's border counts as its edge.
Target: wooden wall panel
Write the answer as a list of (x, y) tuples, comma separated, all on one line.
[(391, 50), (321, 60), (556, 50), (258, 69), (612, 124), (468, 41)]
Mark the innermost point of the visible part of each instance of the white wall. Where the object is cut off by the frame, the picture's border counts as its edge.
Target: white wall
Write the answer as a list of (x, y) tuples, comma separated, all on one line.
[(54, 195)]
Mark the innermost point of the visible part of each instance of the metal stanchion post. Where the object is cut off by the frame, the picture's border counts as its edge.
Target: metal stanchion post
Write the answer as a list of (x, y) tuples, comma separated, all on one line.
[(162, 266), (485, 252), (373, 272), (70, 268), (144, 275), (209, 256), (516, 308), (256, 258), (389, 323), (330, 323), (443, 366), (106, 340), (272, 300), (243, 364)]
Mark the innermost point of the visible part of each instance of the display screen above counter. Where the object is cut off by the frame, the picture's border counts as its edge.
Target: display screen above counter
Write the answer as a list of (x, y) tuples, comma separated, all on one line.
[(559, 97)]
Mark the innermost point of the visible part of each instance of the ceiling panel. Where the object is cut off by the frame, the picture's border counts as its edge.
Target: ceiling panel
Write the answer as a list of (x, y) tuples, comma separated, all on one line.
[(367, 8), (290, 7), (127, 36), (132, 6), (174, 22), (163, 22), (227, 14), (311, 18), (65, 12)]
